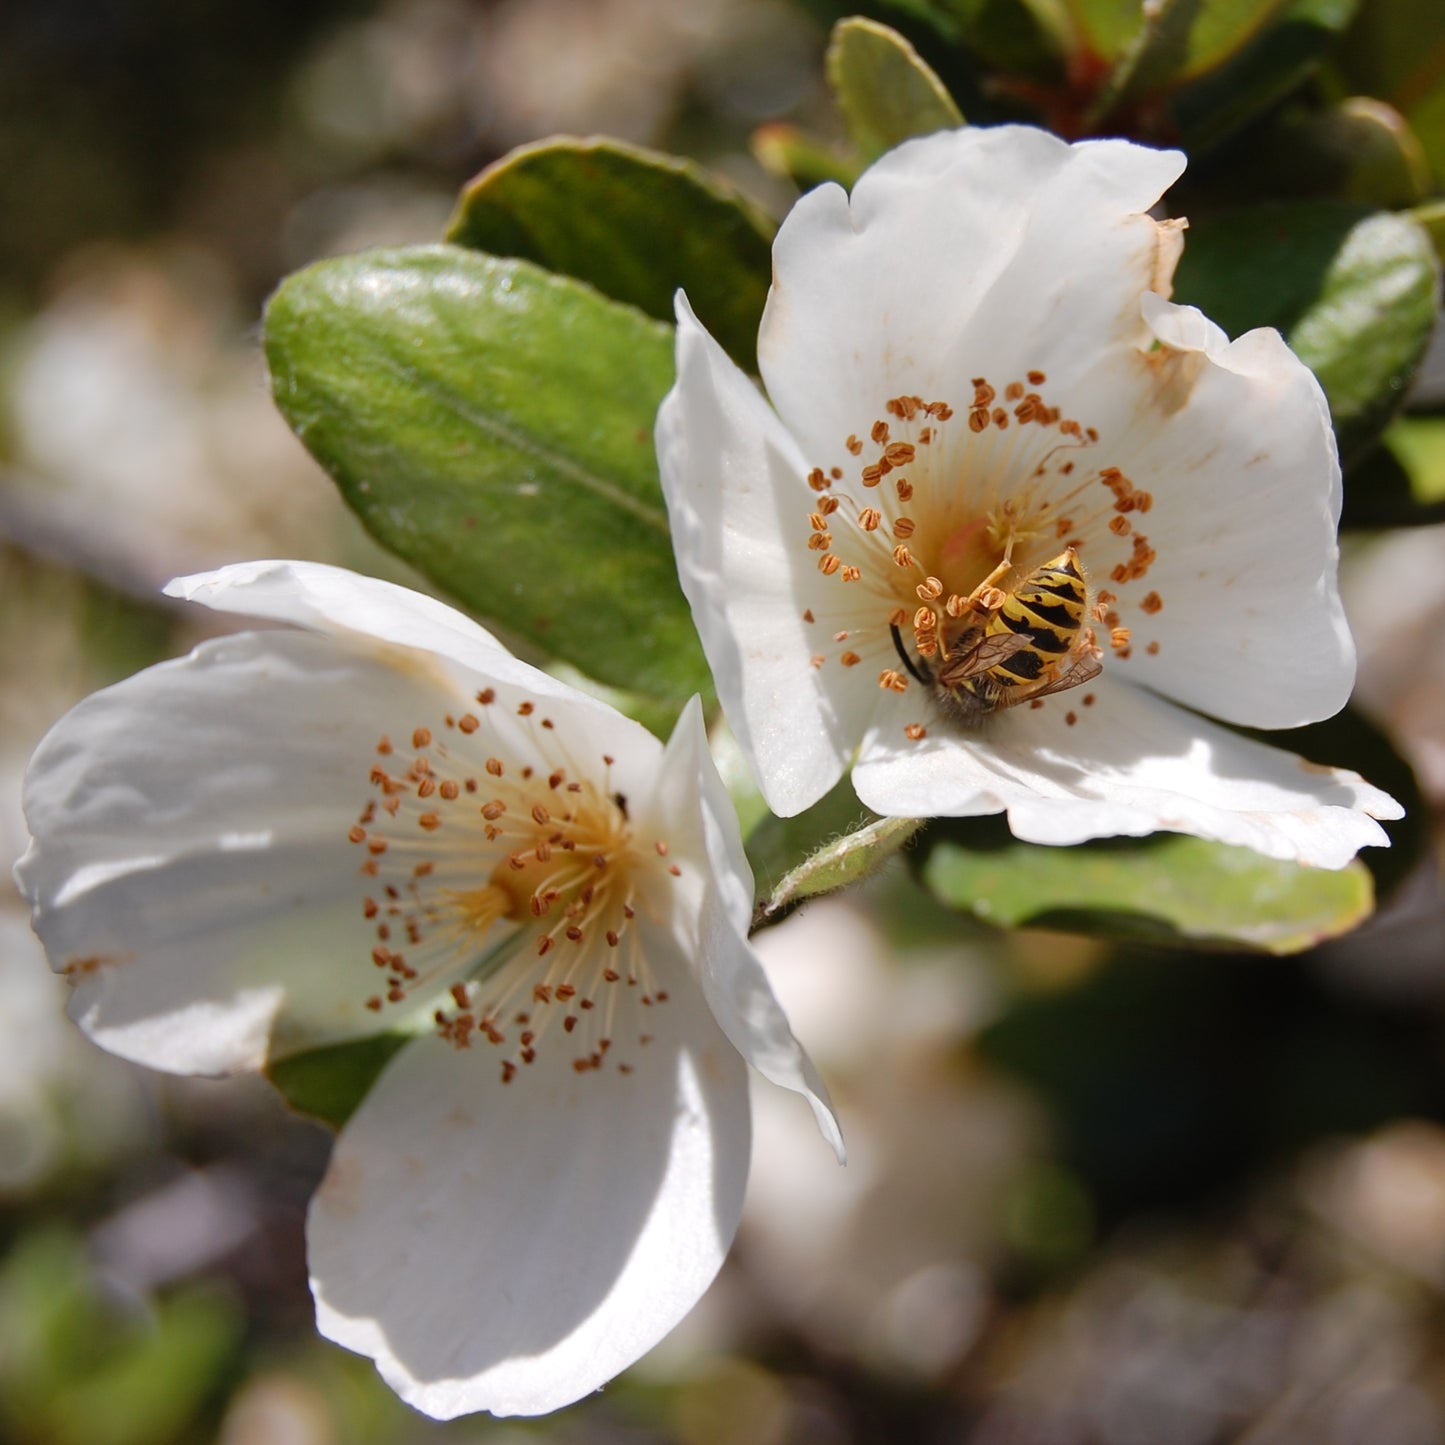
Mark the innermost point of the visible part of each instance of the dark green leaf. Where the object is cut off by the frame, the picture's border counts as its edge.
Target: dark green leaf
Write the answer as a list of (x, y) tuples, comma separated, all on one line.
[(328, 1083), (1251, 79), (885, 90), (1353, 291), (632, 223), (492, 424), (1168, 888), (1395, 50), (1022, 37)]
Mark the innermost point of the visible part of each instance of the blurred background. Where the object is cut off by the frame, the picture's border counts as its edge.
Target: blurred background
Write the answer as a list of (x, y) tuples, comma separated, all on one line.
[(1096, 1195)]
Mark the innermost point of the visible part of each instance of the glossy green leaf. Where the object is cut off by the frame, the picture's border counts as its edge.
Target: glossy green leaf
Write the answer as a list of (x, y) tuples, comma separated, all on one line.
[(885, 90), (632, 223), (328, 1083), (1353, 291), (492, 424), (1166, 888)]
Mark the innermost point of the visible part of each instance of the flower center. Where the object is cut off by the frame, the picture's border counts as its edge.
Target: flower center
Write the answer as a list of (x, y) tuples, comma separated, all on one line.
[(504, 879), (984, 554)]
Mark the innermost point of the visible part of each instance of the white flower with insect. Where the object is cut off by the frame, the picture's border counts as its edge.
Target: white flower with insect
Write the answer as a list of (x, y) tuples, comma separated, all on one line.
[(1009, 508), (378, 819)]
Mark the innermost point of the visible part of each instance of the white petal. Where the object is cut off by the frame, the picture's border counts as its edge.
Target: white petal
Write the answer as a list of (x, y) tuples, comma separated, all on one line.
[(974, 252), (190, 870), (340, 603), (1235, 444), (692, 810), (512, 1247), (737, 503), (1130, 764)]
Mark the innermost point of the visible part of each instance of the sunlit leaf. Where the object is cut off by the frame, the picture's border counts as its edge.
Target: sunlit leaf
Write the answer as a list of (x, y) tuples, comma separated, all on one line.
[(845, 860), (1167, 888), (632, 223), (885, 90), (492, 424), (1419, 444)]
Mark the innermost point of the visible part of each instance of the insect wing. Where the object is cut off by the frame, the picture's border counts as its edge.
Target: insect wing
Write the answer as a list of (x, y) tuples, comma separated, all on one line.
[(989, 651), (1085, 669)]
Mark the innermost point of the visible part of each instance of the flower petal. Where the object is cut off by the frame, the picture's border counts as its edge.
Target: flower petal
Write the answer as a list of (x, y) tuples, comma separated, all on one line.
[(512, 1247), (339, 603), (1234, 442), (692, 809), (734, 486), (983, 251), (190, 870), (1129, 764)]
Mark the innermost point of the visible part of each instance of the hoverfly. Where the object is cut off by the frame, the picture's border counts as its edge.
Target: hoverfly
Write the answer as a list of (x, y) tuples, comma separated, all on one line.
[(1035, 644)]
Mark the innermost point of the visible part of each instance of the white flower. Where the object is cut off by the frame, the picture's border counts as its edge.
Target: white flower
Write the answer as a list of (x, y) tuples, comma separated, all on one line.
[(973, 370), (381, 819)]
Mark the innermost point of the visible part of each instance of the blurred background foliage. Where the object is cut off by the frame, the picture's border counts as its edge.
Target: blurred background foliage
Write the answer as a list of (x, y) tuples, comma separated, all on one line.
[(1101, 1192)]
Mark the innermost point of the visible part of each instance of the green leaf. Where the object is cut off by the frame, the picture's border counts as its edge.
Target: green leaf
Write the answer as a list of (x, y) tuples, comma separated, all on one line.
[(886, 92), (1353, 291), (1432, 217), (1418, 442), (1021, 37), (847, 859), (328, 1083), (1272, 62), (492, 424), (778, 845), (792, 154), (1175, 41), (632, 223), (834, 843), (1360, 150), (1395, 50), (1165, 44), (1167, 888)]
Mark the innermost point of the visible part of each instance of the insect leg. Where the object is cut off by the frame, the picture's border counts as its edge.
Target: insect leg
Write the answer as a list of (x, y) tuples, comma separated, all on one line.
[(917, 669)]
